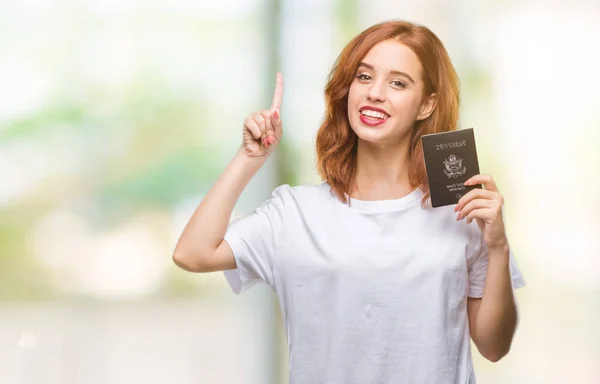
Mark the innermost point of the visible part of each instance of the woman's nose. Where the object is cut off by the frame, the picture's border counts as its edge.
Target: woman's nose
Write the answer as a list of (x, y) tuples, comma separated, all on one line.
[(376, 92)]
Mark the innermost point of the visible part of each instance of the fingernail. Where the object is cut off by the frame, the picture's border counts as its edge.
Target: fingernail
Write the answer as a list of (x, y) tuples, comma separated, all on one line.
[(276, 115), (467, 182), (270, 139), (458, 217)]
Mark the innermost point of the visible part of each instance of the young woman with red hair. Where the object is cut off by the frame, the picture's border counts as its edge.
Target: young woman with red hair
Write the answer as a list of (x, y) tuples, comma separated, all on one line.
[(374, 285)]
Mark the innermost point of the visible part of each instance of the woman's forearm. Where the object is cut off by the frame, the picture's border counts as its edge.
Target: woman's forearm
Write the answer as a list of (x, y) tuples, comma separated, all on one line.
[(496, 318)]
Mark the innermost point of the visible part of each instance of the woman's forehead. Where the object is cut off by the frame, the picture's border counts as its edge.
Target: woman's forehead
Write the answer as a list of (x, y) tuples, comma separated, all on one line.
[(390, 56)]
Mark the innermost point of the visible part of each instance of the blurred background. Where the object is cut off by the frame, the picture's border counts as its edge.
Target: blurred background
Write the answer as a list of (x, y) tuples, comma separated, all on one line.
[(117, 116)]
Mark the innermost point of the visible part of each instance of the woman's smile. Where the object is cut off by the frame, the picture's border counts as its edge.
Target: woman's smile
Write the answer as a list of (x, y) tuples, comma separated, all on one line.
[(373, 116)]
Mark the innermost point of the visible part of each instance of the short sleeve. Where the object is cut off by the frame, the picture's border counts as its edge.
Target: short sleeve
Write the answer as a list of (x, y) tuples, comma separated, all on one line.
[(253, 240), (478, 270)]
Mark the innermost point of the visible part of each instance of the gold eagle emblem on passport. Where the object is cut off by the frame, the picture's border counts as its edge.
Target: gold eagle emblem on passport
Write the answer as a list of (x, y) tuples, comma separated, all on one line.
[(454, 167)]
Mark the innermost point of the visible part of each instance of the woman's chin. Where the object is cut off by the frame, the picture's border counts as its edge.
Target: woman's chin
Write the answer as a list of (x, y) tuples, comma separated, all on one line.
[(371, 139), (374, 134), (380, 138)]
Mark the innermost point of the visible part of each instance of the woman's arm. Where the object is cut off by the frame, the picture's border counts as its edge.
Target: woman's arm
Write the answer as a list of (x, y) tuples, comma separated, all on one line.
[(493, 318), (201, 247)]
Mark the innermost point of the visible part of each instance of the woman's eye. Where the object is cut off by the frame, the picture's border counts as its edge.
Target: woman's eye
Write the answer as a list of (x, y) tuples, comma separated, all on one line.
[(363, 76), (399, 84)]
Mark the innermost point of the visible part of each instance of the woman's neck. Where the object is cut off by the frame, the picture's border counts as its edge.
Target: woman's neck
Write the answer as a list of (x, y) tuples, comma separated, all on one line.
[(382, 172)]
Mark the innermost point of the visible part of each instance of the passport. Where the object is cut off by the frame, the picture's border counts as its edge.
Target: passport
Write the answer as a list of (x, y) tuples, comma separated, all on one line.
[(450, 160)]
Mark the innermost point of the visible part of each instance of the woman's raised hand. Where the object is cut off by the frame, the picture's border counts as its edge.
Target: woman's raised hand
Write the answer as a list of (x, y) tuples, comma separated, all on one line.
[(262, 129)]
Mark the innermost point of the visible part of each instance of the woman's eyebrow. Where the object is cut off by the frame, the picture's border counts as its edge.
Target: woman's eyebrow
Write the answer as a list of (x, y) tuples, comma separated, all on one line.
[(393, 72)]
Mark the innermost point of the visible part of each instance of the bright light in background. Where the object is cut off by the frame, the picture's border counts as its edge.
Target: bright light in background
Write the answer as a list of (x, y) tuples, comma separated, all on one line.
[(548, 98), (124, 262), (27, 340), (214, 9), (17, 172), (109, 59), (25, 87), (26, 163)]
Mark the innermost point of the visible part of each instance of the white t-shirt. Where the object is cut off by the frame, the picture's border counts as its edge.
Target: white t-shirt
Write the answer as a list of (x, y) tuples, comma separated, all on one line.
[(375, 292)]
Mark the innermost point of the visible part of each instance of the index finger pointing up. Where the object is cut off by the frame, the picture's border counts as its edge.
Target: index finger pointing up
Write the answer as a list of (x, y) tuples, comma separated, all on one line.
[(278, 94)]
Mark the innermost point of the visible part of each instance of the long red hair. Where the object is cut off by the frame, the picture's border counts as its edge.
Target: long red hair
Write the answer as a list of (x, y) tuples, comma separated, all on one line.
[(337, 142)]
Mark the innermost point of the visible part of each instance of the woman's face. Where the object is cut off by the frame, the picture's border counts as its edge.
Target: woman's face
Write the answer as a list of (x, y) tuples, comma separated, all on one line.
[(386, 96)]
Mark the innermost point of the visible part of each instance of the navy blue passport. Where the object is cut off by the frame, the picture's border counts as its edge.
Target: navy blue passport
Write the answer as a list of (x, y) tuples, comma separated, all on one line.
[(450, 160)]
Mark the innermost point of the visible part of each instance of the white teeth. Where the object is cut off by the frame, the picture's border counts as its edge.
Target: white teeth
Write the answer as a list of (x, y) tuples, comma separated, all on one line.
[(368, 112)]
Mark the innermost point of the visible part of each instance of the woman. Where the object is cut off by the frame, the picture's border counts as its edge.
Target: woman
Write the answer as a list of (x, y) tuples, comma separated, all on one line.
[(374, 285)]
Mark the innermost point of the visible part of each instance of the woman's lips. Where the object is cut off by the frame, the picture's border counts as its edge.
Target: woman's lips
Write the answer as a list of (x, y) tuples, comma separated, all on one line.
[(372, 121)]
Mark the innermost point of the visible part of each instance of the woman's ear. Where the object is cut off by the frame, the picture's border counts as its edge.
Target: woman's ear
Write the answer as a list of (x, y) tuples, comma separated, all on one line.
[(428, 107)]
